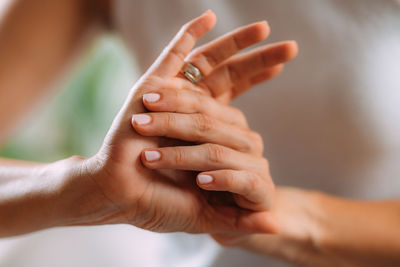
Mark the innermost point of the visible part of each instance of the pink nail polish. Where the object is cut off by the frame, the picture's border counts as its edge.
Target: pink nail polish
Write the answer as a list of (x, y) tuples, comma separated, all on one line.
[(204, 179), (141, 119), (151, 98), (152, 155)]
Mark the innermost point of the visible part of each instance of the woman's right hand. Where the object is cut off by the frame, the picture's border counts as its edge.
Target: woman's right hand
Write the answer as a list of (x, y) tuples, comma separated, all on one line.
[(114, 187)]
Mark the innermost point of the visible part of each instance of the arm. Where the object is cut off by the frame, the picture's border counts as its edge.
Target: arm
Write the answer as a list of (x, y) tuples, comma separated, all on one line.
[(323, 230), (37, 40), (35, 196), (113, 186)]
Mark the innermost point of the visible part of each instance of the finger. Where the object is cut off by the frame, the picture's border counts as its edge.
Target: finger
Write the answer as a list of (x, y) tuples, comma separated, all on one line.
[(244, 66), (255, 192), (189, 102), (245, 84), (233, 220), (171, 59), (198, 128), (263, 76), (206, 57), (206, 157)]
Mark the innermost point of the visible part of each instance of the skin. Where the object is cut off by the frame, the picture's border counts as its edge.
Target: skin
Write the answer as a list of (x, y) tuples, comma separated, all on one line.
[(316, 229), (113, 186)]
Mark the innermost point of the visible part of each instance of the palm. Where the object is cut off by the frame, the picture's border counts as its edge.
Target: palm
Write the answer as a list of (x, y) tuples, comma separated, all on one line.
[(169, 201), (171, 196)]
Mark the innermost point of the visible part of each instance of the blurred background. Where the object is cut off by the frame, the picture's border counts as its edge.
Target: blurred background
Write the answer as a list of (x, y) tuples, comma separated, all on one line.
[(76, 118)]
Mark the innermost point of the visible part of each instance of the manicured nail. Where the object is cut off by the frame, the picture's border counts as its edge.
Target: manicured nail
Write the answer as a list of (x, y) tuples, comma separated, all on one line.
[(152, 155), (151, 98), (204, 179), (141, 119)]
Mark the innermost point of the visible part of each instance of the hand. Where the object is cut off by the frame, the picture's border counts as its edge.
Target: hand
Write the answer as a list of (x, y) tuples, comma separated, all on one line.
[(229, 156), (119, 189)]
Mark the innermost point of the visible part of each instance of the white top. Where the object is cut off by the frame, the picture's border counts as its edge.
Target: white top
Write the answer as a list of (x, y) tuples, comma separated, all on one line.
[(331, 122)]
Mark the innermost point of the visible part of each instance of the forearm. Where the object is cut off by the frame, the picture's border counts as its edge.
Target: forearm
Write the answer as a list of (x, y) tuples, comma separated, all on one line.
[(37, 196), (360, 233), (25, 201), (321, 230)]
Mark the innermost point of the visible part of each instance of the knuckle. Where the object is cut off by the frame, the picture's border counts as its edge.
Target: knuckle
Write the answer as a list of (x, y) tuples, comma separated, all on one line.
[(237, 112), (170, 121), (187, 30), (202, 103), (257, 142), (215, 153), (233, 74), (211, 59), (203, 124), (174, 99), (194, 101), (253, 183), (201, 54), (240, 116), (229, 179), (179, 155), (179, 54), (264, 165)]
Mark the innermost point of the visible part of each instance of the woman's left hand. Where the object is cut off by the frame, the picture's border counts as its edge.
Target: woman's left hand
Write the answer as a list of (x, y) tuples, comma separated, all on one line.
[(227, 154)]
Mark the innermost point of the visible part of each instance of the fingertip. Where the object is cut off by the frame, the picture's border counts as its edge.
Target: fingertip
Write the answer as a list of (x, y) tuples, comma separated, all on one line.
[(140, 120), (279, 68), (284, 51), (212, 15), (151, 98), (292, 49), (209, 19), (151, 101), (149, 157), (262, 30), (204, 180)]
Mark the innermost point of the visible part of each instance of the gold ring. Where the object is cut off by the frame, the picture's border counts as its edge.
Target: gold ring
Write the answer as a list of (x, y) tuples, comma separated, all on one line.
[(192, 73)]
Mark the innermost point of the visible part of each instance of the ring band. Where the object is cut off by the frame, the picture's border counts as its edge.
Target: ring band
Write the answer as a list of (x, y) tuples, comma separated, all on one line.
[(192, 73)]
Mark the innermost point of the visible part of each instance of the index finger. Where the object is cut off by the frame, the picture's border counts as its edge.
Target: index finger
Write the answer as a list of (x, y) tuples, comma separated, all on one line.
[(172, 58)]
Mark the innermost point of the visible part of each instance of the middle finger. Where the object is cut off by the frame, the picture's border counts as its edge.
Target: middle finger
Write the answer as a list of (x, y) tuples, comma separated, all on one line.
[(198, 128), (208, 56), (190, 101)]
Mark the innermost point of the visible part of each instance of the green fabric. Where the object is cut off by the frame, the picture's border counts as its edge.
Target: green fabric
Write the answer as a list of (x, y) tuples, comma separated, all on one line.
[(75, 120)]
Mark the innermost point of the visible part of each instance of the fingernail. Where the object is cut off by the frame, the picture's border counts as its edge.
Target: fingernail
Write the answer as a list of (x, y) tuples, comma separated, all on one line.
[(153, 97), (204, 179), (152, 155), (141, 119)]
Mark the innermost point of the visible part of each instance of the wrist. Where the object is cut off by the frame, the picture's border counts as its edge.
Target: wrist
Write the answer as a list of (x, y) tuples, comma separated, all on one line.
[(80, 200), (301, 213)]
